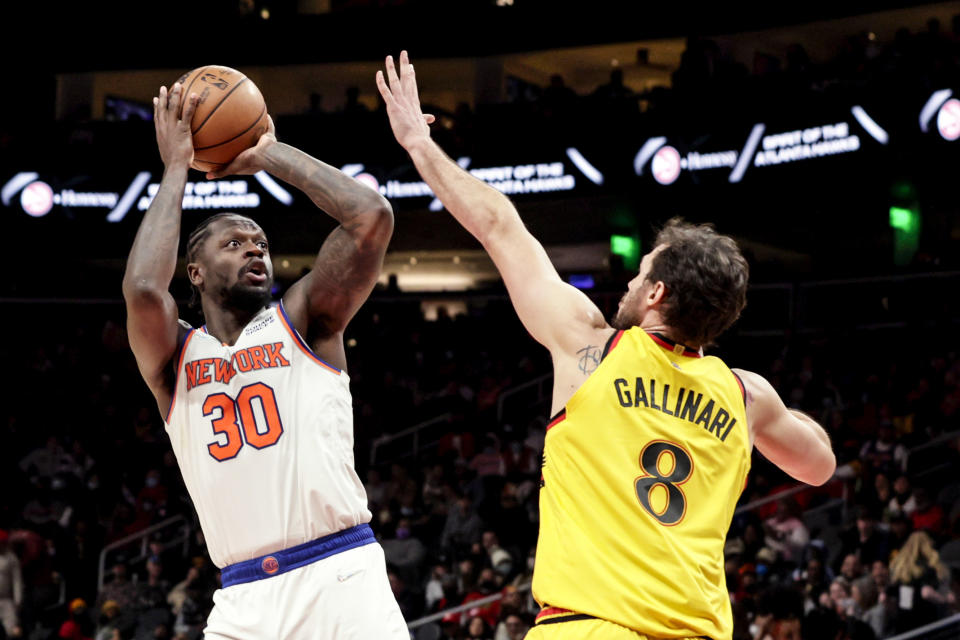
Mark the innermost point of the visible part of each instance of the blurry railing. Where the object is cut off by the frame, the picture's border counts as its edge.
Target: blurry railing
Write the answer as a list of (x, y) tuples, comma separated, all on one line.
[(533, 393), (135, 547), (415, 434), (945, 629)]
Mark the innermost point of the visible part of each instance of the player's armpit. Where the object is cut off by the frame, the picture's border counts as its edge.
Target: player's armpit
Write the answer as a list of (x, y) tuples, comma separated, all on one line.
[(154, 334), (790, 439)]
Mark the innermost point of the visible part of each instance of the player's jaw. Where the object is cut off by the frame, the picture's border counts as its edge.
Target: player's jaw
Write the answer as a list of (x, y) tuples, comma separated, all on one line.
[(251, 287), (631, 308)]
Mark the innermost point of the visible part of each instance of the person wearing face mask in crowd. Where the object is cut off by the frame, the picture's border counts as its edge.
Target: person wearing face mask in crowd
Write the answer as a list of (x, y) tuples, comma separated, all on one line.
[(405, 553)]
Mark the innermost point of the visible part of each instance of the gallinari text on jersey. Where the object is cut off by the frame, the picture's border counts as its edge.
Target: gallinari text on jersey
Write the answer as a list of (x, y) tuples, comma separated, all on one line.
[(714, 418)]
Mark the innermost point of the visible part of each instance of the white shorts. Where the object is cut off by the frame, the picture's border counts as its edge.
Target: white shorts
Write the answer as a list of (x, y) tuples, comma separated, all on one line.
[(346, 596)]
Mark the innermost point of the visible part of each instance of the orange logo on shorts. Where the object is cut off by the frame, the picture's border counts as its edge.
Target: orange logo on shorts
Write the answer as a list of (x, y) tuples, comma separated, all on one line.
[(270, 565)]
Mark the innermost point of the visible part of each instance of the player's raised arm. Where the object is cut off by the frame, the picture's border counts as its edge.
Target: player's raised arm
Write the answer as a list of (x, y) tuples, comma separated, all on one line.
[(790, 439), (555, 313), (151, 310), (347, 267)]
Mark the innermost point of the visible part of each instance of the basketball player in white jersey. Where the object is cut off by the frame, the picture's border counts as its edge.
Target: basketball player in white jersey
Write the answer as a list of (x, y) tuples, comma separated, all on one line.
[(256, 401)]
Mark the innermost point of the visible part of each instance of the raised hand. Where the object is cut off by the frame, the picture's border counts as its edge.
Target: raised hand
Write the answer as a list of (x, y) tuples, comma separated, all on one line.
[(251, 160), (174, 138), (410, 125)]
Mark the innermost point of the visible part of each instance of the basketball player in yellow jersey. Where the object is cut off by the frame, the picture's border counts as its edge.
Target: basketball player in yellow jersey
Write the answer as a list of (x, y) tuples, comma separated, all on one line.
[(650, 443)]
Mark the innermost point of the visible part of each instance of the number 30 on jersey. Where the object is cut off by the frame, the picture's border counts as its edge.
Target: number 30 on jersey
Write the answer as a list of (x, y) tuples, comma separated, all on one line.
[(238, 420)]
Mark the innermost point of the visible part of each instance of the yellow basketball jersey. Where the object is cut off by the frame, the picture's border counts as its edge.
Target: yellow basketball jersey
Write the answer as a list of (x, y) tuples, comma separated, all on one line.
[(641, 474)]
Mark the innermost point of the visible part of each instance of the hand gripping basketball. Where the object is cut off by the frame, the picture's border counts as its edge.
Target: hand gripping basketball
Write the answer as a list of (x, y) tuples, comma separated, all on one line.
[(230, 117), (249, 161), (173, 131)]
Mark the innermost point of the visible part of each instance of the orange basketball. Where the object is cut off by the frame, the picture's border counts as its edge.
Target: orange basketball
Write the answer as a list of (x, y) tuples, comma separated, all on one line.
[(230, 117)]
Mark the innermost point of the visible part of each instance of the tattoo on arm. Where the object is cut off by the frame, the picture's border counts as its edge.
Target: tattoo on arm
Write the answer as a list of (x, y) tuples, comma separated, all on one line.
[(589, 359), (342, 197)]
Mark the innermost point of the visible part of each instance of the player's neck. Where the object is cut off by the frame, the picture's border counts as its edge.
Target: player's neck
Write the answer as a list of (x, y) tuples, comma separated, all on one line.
[(654, 323), (226, 323)]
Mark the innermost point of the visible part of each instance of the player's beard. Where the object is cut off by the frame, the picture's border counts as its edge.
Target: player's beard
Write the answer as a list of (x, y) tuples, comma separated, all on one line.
[(246, 297), (628, 314)]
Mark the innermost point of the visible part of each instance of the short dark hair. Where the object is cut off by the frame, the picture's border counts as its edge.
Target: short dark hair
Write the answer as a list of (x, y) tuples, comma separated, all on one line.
[(706, 279)]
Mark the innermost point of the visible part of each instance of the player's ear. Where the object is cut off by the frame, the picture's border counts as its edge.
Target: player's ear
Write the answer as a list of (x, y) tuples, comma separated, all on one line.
[(195, 274), (657, 293)]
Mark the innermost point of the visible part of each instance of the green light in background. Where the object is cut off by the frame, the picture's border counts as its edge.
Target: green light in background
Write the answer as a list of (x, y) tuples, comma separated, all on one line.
[(905, 220), (906, 234), (628, 248)]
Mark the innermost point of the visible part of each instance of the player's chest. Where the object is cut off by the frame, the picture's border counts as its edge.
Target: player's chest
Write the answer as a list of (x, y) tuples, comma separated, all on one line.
[(265, 357)]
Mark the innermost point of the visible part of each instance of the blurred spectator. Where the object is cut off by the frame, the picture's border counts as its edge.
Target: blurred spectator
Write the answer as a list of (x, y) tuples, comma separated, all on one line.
[(614, 90), (437, 586), (903, 500), (778, 617), (785, 532), (813, 581), (928, 516), (462, 528), (884, 454), (851, 569), (489, 461), (11, 585), (512, 627), (838, 597), (486, 586), (152, 592), (497, 556), (376, 489), (78, 626), (45, 461), (409, 599), (921, 582), (478, 629), (190, 600), (900, 529), (404, 552), (108, 620), (868, 607), (120, 589), (353, 106), (558, 99), (867, 541)]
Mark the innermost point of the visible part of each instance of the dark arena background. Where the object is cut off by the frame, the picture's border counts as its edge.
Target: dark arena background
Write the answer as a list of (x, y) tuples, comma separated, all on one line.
[(824, 137)]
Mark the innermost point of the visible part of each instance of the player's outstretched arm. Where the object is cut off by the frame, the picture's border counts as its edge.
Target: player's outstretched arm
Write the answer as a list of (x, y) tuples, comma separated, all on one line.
[(788, 438), (151, 310), (553, 312)]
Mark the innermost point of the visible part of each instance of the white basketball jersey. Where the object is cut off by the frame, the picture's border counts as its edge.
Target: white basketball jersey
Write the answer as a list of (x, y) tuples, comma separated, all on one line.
[(263, 433)]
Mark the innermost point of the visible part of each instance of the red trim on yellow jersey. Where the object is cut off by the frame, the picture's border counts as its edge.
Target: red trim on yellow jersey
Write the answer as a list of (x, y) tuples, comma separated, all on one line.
[(176, 380), (614, 339), (549, 612), (297, 340), (550, 615), (743, 390), (672, 345), (557, 419)]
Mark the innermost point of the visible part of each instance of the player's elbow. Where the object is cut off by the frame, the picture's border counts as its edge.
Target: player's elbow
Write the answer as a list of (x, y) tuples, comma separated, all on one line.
[(496, 221), (376, 227), (142, 292), (824, 470)]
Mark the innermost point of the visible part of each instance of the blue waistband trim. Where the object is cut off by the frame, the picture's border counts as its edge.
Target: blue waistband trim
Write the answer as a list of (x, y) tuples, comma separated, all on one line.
[(273, 564)]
